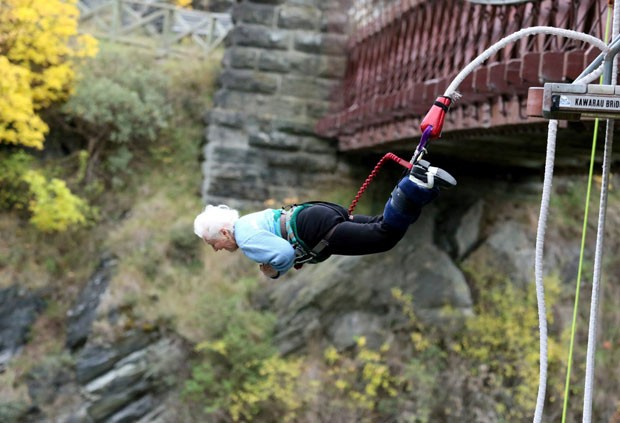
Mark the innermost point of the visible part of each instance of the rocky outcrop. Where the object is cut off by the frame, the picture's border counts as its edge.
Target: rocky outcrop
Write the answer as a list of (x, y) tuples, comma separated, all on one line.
[(116, 380), (19, 309), (507, 248), (134, 384), (470, 233), (113, 383), (346, 297), (458, 227), (84, 312)]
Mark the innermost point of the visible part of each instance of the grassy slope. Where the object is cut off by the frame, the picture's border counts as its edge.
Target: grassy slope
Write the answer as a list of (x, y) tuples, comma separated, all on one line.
[(163, 269)]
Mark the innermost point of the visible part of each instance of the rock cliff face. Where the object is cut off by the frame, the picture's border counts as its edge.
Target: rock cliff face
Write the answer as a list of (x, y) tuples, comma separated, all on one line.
[(18, 311), (346, 297), (477, 227), (483, 225), (123, 380)]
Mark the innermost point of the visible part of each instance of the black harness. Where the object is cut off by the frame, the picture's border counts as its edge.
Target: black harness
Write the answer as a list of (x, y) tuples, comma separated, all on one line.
[(288, 229)]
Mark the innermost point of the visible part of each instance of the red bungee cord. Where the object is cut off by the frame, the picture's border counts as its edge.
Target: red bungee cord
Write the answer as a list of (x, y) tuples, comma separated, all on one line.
[(372, 175), (431, 127)]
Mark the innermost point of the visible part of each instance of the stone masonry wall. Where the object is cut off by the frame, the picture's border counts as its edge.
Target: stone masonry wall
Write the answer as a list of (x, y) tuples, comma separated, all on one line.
[(282, 62)]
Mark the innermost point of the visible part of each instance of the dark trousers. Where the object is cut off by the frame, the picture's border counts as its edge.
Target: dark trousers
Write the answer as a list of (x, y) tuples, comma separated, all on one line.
[(358, 236)]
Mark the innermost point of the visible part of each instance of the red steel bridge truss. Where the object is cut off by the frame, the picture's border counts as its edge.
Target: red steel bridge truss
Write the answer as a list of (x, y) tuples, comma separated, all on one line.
[(398, 64)]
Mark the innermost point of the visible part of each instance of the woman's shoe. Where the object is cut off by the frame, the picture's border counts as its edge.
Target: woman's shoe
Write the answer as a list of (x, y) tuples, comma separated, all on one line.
[(427, 176)]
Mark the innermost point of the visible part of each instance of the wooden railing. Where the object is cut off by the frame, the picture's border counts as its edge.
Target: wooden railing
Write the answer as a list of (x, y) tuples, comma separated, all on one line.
[(401, 62), (159, 26)]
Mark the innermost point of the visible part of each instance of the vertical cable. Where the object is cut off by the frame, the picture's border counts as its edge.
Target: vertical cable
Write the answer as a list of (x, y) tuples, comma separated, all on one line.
[(600, 237), (551, 140), (579, 270)]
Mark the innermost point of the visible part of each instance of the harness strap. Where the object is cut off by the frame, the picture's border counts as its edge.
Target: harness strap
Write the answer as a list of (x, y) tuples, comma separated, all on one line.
[(324, 243)]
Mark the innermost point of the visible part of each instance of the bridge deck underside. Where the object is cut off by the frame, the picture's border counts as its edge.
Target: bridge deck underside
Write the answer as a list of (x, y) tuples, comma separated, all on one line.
[(400, 64), (516, 146)]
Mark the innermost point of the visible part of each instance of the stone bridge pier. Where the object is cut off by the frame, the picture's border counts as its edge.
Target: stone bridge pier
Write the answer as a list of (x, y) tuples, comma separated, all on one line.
[(283, 60)]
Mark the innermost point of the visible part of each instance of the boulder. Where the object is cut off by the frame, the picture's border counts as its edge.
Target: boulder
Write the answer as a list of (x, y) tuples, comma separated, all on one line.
[(126, 391), (95, 360), (346, 296), (508, 250)]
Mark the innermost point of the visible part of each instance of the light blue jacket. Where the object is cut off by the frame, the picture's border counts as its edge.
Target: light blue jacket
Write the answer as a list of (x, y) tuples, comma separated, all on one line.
[(258, 237)]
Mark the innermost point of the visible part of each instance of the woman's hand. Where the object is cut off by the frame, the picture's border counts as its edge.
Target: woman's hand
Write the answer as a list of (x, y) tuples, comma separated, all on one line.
[(269, 271)]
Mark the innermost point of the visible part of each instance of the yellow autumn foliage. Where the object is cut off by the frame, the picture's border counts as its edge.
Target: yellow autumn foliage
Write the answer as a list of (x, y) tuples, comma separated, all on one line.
[(278, 384), (364, 378), (54, 208), (183, 3), (18, 122), (39, 45)]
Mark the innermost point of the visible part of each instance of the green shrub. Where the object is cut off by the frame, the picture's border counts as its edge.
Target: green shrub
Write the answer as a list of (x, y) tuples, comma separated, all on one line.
[(501, 342), (12, 186), (240, 372), (121, 99), (490, 366), (13, 412)]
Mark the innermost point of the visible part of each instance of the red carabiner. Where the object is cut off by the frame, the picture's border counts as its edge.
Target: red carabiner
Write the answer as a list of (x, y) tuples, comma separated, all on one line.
[(436, 115)]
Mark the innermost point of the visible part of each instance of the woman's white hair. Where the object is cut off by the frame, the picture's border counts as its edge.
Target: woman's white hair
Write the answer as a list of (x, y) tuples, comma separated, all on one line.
[(213, 219)]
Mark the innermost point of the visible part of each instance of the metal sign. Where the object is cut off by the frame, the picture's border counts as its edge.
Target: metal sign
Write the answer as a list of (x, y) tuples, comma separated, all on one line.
[(584, 103), (572, 102)]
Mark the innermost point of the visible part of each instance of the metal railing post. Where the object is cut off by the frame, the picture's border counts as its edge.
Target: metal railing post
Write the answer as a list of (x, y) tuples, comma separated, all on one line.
[(165, 24), (167, 30), (211, 32), (116, 18)]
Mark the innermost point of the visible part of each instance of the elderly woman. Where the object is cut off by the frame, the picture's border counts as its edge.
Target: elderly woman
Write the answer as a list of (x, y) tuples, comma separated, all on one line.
[(279, 239)]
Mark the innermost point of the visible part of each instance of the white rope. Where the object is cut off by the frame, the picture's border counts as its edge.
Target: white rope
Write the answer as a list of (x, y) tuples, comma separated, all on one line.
[(600, 236), (549, 164), (538, 266), (513, 37), (586, 79)]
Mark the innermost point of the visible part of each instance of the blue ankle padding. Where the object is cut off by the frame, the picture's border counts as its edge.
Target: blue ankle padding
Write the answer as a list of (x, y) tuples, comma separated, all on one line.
[(397, 218), (399, 213), (417, 194)]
